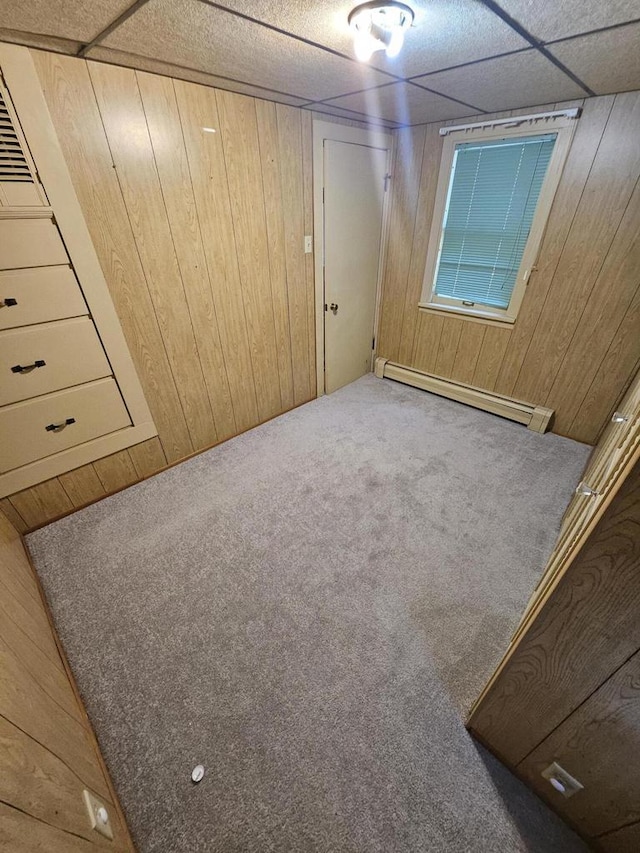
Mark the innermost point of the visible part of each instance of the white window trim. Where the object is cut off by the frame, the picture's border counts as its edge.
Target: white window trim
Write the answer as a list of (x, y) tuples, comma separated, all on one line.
[(562, 124)]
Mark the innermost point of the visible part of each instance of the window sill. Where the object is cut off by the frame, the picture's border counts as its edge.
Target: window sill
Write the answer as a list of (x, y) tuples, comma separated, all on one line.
[(487, 317)]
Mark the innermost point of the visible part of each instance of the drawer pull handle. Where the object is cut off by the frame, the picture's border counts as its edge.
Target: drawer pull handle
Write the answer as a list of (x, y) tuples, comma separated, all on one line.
[(60, 427), (8, 302), (27, 368)]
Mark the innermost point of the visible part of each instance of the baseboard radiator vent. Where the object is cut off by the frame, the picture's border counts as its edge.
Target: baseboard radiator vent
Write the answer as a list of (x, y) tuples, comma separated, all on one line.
[(536, 418)]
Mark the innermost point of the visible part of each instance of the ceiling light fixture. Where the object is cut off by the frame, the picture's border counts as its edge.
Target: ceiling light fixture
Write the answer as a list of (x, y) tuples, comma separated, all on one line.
[(379, 26)]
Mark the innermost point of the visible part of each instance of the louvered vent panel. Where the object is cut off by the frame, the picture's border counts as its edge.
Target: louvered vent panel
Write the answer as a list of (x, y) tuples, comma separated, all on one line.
[(14, 166)]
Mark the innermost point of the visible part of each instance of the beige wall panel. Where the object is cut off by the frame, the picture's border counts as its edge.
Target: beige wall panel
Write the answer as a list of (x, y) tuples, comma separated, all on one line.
[(148, 457), (82, 485), (606, 307), (595, 744), (494, 345), (238, 126), (41, 503), (469, 347), (292, 179), (25, 704), (405, 188), (50, 791), (72, 104), (26, 612), (426, 199), (448, 346), (613, 176), (22, 833), (116, 471), (595, 114), (626, 840), (128, 136), (165, 129), (426, 345), (198, 109), (274, 214), (12, 515), (307, 177), (615, 373)]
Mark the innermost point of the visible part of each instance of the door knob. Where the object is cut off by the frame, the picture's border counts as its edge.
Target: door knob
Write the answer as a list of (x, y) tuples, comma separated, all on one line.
[(334, 307)]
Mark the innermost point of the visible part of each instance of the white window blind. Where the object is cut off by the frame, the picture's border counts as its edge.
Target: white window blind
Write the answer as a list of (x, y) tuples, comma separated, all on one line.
[(491, 201)]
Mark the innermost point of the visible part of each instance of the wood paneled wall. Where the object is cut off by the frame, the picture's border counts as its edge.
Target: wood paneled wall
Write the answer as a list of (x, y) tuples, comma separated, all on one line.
[(576, 342), (48, 753), (200, 236), (570, 691)]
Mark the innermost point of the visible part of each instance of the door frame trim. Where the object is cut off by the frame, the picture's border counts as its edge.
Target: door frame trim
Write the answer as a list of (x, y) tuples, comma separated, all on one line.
[(360, 136)]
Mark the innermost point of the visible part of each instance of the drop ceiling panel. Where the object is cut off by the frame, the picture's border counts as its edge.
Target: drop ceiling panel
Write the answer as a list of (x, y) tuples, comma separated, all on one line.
[(521, 80), (105, 54), (607, 62), (77, 20), (447, 32), (404, 103), (198, 36), (555, 19)]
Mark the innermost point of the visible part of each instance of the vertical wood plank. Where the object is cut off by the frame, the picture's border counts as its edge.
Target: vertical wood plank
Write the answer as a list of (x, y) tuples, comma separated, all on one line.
[(490, 357), (13, 516), (406, 185), (427, 341), (41, 503), (448, 347), (291, 174), (165, 131), (237, 116), (273, 201), (429, 174), (307, 176), (147, 457), (198, 108), (82, 485), (125, 125), (468, 352), (72, 104), (116, 471)]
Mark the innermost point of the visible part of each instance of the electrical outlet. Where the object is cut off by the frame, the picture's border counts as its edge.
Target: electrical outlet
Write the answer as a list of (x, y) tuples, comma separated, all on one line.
[(561, 781), (308, 244), (98, 815)]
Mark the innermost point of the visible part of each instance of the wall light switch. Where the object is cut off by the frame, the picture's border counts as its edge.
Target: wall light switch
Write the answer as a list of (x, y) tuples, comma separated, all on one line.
[(308, 244), (561, 781), (98, 814)]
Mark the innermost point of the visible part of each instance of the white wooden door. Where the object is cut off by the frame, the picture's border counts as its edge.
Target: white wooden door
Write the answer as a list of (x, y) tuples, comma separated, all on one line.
[(354, 189)]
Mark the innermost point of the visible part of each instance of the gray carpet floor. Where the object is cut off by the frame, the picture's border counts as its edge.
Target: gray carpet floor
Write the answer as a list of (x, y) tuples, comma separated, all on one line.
[(308, 610)]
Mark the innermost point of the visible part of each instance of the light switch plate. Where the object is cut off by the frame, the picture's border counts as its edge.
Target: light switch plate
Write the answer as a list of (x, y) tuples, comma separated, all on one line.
[(561, 781), (98, 815), (308, 244)]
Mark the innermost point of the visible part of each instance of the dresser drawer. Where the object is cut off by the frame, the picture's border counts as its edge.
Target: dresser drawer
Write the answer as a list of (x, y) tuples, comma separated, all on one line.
[(50, 357), (39, 294), (94, 409), (30, 243)]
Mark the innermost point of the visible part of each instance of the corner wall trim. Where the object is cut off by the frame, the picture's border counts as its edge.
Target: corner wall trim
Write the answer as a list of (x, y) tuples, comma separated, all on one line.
[(536, 418)]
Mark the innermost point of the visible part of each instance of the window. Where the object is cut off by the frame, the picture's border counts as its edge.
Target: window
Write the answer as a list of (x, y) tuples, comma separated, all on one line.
[(494, 194)]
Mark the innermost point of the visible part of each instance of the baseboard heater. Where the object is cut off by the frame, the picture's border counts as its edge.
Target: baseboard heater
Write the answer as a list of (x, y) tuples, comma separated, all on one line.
[(534, 417)]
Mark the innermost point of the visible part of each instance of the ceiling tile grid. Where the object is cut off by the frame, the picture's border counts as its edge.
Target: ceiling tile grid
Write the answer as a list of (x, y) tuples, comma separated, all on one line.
[(461, 57)]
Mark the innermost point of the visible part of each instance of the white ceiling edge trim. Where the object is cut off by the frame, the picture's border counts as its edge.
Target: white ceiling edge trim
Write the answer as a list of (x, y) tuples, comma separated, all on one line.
[(513, 121)]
